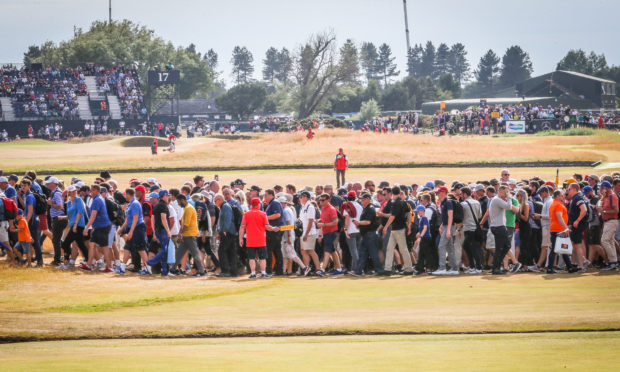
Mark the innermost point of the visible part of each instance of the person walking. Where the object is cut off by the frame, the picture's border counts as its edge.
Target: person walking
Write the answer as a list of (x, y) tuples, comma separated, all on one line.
[(368, 224), (401, 225), (608, 207), (162, 233), (188, 235), (254, 225), (473, 231), (341, 164), (328, 224), (307, 216), (446, 233), (497, 223), (558, 214), (227, 235)]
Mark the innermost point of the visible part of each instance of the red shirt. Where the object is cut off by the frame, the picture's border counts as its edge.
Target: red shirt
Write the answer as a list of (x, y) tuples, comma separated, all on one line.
[(255, 221), (328, 214)]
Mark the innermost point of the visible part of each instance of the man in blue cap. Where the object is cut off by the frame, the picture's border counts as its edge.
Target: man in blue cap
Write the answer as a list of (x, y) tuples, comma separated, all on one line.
[(161, 231)]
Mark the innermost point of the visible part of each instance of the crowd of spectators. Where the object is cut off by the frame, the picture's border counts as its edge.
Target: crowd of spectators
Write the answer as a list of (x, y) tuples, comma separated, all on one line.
[(124, 83), (46, 93)]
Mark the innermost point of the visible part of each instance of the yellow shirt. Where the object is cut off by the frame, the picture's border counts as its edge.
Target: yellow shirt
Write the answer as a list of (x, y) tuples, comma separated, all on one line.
[(189, 221)]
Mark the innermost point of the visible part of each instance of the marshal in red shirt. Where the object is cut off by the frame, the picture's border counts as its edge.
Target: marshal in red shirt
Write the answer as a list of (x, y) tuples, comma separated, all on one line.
[(255, 221)]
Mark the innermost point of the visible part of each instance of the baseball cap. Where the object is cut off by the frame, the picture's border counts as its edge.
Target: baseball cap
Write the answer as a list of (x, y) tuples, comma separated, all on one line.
[(255, 188), (512, 181), (80, 184), (479, 187), (457, 186), (570, 181), (442, 189), (366, 196), (51, 180), (151, 180), (342, 191), (133, 180), (163, 192), (71, 188), (20, 212), (13, 177), (606, 184), (3, 179), (153, 195), (282, 199), (549, 183), (587, 189), (594, 177), (430, 185), (440, 182), (141, 189), (420, 208), (351, 194), (155, 187), (255, 202), (383, 184), (103, 189), (238, 181), (305, 193)]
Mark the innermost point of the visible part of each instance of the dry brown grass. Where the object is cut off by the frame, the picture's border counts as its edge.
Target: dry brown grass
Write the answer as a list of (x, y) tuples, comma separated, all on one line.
[(295, 149)]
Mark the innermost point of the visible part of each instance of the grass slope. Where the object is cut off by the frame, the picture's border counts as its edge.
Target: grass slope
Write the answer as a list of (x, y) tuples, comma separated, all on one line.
[(549, 352)]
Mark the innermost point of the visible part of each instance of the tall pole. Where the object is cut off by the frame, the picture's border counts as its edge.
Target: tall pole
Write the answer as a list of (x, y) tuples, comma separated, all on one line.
[(110, 11), (406, 25)]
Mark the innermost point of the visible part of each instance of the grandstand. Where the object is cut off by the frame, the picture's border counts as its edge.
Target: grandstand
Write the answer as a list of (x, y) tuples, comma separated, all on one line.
[(81, 93)]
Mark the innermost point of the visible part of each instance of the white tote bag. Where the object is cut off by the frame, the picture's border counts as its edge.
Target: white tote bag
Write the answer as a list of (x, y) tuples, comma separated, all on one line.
[(563, 245)]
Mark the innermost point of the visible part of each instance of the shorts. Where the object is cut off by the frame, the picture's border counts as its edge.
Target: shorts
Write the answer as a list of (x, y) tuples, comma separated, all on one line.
[(4, 231), (328, 242), (138, 240), (594, 235), (112, 235), (287, 250), (43, 222), (100, 236), (262, 253), (546, 237), (576, 235), (309, 244), (23, 247)]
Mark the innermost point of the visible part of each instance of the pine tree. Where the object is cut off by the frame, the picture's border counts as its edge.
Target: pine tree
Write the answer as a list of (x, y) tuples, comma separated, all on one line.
[(385, 63)]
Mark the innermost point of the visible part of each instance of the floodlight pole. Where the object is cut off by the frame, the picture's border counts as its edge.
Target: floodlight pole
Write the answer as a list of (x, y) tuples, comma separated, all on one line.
[(110, 11), (406, 25)]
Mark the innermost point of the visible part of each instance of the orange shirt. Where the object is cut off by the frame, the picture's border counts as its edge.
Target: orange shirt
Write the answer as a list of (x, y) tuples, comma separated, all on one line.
[(255, 221), (557, 206), (24, 235)]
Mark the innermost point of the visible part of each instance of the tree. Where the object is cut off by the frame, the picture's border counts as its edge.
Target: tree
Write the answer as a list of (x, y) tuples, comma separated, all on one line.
[(442, 61), (270, 63), (369, 110), (395, 97), (414, 60), (368, 60), (242, 65), (385, 63), (211, 58), (420, 90), (317, 72), (371, 91), (459, 66), (447, 82), (242, 100), (488, 67), (428, 60), (349, 60), (191, 48), (34, 52), (285, 65), (516, 66)]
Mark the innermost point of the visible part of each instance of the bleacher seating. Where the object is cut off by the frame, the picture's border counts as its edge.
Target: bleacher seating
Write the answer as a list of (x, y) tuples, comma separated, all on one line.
[(124, 83)]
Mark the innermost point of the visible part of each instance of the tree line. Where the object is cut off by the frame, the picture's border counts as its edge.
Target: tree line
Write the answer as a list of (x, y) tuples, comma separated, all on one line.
[(318, 76)]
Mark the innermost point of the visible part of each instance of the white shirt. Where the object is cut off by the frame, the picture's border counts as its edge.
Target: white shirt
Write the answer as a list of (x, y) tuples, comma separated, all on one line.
[(308, 212), (351, 228), (174, 229), (545, 220)]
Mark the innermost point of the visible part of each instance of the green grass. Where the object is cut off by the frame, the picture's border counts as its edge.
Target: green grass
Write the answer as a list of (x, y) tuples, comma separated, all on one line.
[(548, 352), (579, 132)]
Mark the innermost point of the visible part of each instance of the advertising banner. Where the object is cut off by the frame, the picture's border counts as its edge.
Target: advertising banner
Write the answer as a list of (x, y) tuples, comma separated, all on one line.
[(515, 126)]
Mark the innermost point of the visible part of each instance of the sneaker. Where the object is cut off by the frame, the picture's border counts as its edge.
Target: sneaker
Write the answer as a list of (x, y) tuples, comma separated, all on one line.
[(252, 276), (452, 272), (440, 272), (470, 271), (119, 270), (199, 275), (169, 274), (106, 270), (86, 268), (265, 276), (407, 272), (587, 264), (573, 269), (418, 273), (223, 275), (583, 270), (353, 273), (66, 266), (551, 271), (307, 271), (533, 268), (144, 272), (478, 272), (320, 272), (516, 267), (336, 273), (611, 266)]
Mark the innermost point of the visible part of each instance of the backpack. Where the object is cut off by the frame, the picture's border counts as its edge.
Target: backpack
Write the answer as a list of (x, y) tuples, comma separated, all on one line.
[(40, 206), (237, 216), (538, 207), (299, 227), (9, 209), (115, 213), (435, 220), (457, 211), (340, 221)]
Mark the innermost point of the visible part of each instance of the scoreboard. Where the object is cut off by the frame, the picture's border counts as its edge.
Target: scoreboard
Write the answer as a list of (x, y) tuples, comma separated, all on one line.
[(166, 77)]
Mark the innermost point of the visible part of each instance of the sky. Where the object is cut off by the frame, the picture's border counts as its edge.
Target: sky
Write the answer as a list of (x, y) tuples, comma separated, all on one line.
[(546, 29)]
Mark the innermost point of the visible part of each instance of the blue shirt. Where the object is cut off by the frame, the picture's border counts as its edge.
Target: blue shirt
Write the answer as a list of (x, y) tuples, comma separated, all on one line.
[(424, 222), (37, 187), (56, 199), (30, 200), (101, 220), (226, 222), (274, 208), (134, 209), (73, 208), (446, 205)]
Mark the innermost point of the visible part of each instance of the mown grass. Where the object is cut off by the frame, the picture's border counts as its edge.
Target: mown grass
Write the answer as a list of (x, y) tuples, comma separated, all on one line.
[(549, 352)]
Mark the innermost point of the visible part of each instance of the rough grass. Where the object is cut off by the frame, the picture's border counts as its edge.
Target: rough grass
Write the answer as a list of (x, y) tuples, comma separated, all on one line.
[(90, 139), (143, 142), (295, 149), (47, 304), (549, 352)]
